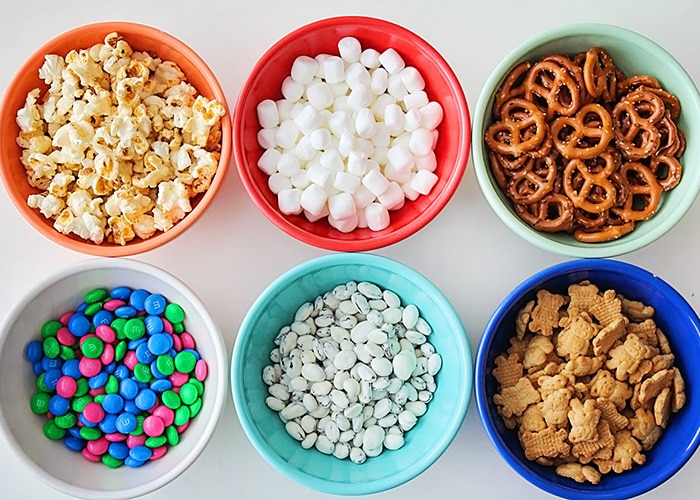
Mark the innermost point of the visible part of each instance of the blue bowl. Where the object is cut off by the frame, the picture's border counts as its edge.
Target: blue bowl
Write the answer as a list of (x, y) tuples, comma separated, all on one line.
[(677, 320), (424, 444)]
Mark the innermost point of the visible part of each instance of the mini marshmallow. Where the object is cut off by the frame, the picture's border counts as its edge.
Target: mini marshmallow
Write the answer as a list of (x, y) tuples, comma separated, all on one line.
[(392, 198), (346, 182), (313, 199), (370, 58), (421, 142), (394, 118), (292, 90), (416, 100), (361, 219), (375, 182), (379, 157), (284, 108), (266, 138), (365, 146), (331, 160), (432, 114), (380, 104), (288, 164), (341, 123), (320, 95), (320, 176), (320, 69), (360, 97), (346, 143), (396, 88), (341, 104), (408, 191), (341, 206), (300, 179), (321, 215), (349, 49), (268, 161), (400, 156), (393, 173), (424, 181), (391, 60), (356, 74), (308, 119), (365, 126), (289, 201), (357, 163), (339, 89), (267, 113), (377, 216), (363, 197), (304, 150), (427, 162), (320, 138), (381, 137), (412, 79), (278, 182), (346, 225), (304, 69), (378, 82), (333, 69), (287, 134), (413, 119)]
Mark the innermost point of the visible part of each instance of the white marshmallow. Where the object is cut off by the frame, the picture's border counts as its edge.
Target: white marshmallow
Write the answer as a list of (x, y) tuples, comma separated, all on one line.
[(267, 113), (308, 119), (365, 126), (289, 201), (333, 69), (304, 150), (320, 138), (432, 114), (288, 164), (400, 156), (424, 181), (304, 69), (360, 97), (300, 179), (313, 199), (381, 137), (357, 163), (346, 225), (394, 118), (284, 108), (268, 161), (331, 160), (412, 79), (391, 60), (375, 182), (427, 162), (379, 105), (415, 100), (393, 173), (378, 82), (341, 123), (408, 191), (341, 206), (392, 198), (421, 142), (292, 90), (277, 182), (341, 104), (363, 197), (365, 146), (321, 215), (356, 74), (361, 219), (346, 182), (287, 134), (379, 156), (320, 176), (396, 88), (413, 119), (340, 88), (349, 49), (319, 95), (346, 143), (266, 138), (377, 216), (370, 58), (320, 69)]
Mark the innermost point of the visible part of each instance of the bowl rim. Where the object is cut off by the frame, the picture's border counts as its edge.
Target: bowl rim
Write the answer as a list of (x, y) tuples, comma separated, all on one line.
[(527, 286), (325, 485), (482, 171), (219, 396), (137, 246), (379, 240)]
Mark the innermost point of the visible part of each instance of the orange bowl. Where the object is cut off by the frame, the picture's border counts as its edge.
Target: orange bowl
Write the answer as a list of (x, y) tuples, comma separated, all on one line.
[(140, 38), (321, 37)]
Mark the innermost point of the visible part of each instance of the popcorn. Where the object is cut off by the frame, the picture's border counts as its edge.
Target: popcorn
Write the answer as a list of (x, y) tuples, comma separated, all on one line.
[(118, 144)]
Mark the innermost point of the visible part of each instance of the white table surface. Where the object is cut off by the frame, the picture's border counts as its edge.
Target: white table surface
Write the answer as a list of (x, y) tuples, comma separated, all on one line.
[(233, 252)]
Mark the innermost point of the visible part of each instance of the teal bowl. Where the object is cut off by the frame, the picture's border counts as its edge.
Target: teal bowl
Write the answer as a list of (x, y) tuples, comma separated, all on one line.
[(634, 54), (424, 444)]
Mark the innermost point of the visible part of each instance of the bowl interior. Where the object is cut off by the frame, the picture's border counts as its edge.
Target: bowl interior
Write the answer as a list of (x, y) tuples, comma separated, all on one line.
[(68, 471), (676, 319), (141, 38), (434, 430), (634, 54), (442, 85)]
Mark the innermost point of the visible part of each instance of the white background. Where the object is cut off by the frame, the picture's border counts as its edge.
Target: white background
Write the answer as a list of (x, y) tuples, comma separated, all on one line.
[(233, 252)]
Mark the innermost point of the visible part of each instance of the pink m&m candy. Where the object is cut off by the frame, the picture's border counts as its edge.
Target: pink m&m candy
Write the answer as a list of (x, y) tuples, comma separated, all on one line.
[(89, 367), (66, 387), (153, 426), (201, 369), (93, 412)]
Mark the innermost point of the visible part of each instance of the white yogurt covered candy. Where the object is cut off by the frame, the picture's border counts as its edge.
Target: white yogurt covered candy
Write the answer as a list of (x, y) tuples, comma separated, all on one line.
[(358, 123)]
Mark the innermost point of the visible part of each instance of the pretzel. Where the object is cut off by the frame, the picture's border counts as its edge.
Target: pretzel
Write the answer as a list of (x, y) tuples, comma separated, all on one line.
[(533, 181), (508, 135), (585, 135), (512, 87), (551, 84), (645, 192), (598, 74), (606, 233), (580, 197), (634, 119), (667, 170), (552, 214)]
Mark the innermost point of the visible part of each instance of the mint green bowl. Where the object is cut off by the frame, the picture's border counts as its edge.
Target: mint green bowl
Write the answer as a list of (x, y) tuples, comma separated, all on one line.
[(634, 54), (424, 444)]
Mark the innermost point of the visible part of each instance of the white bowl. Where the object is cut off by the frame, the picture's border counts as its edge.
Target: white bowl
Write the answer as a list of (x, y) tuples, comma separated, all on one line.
[(52, 461)]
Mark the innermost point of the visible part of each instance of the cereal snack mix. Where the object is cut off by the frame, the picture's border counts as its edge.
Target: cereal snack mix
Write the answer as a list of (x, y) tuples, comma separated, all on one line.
[(579, 147), (353, 372), (119, 378), (119, 144), (588, 382)]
